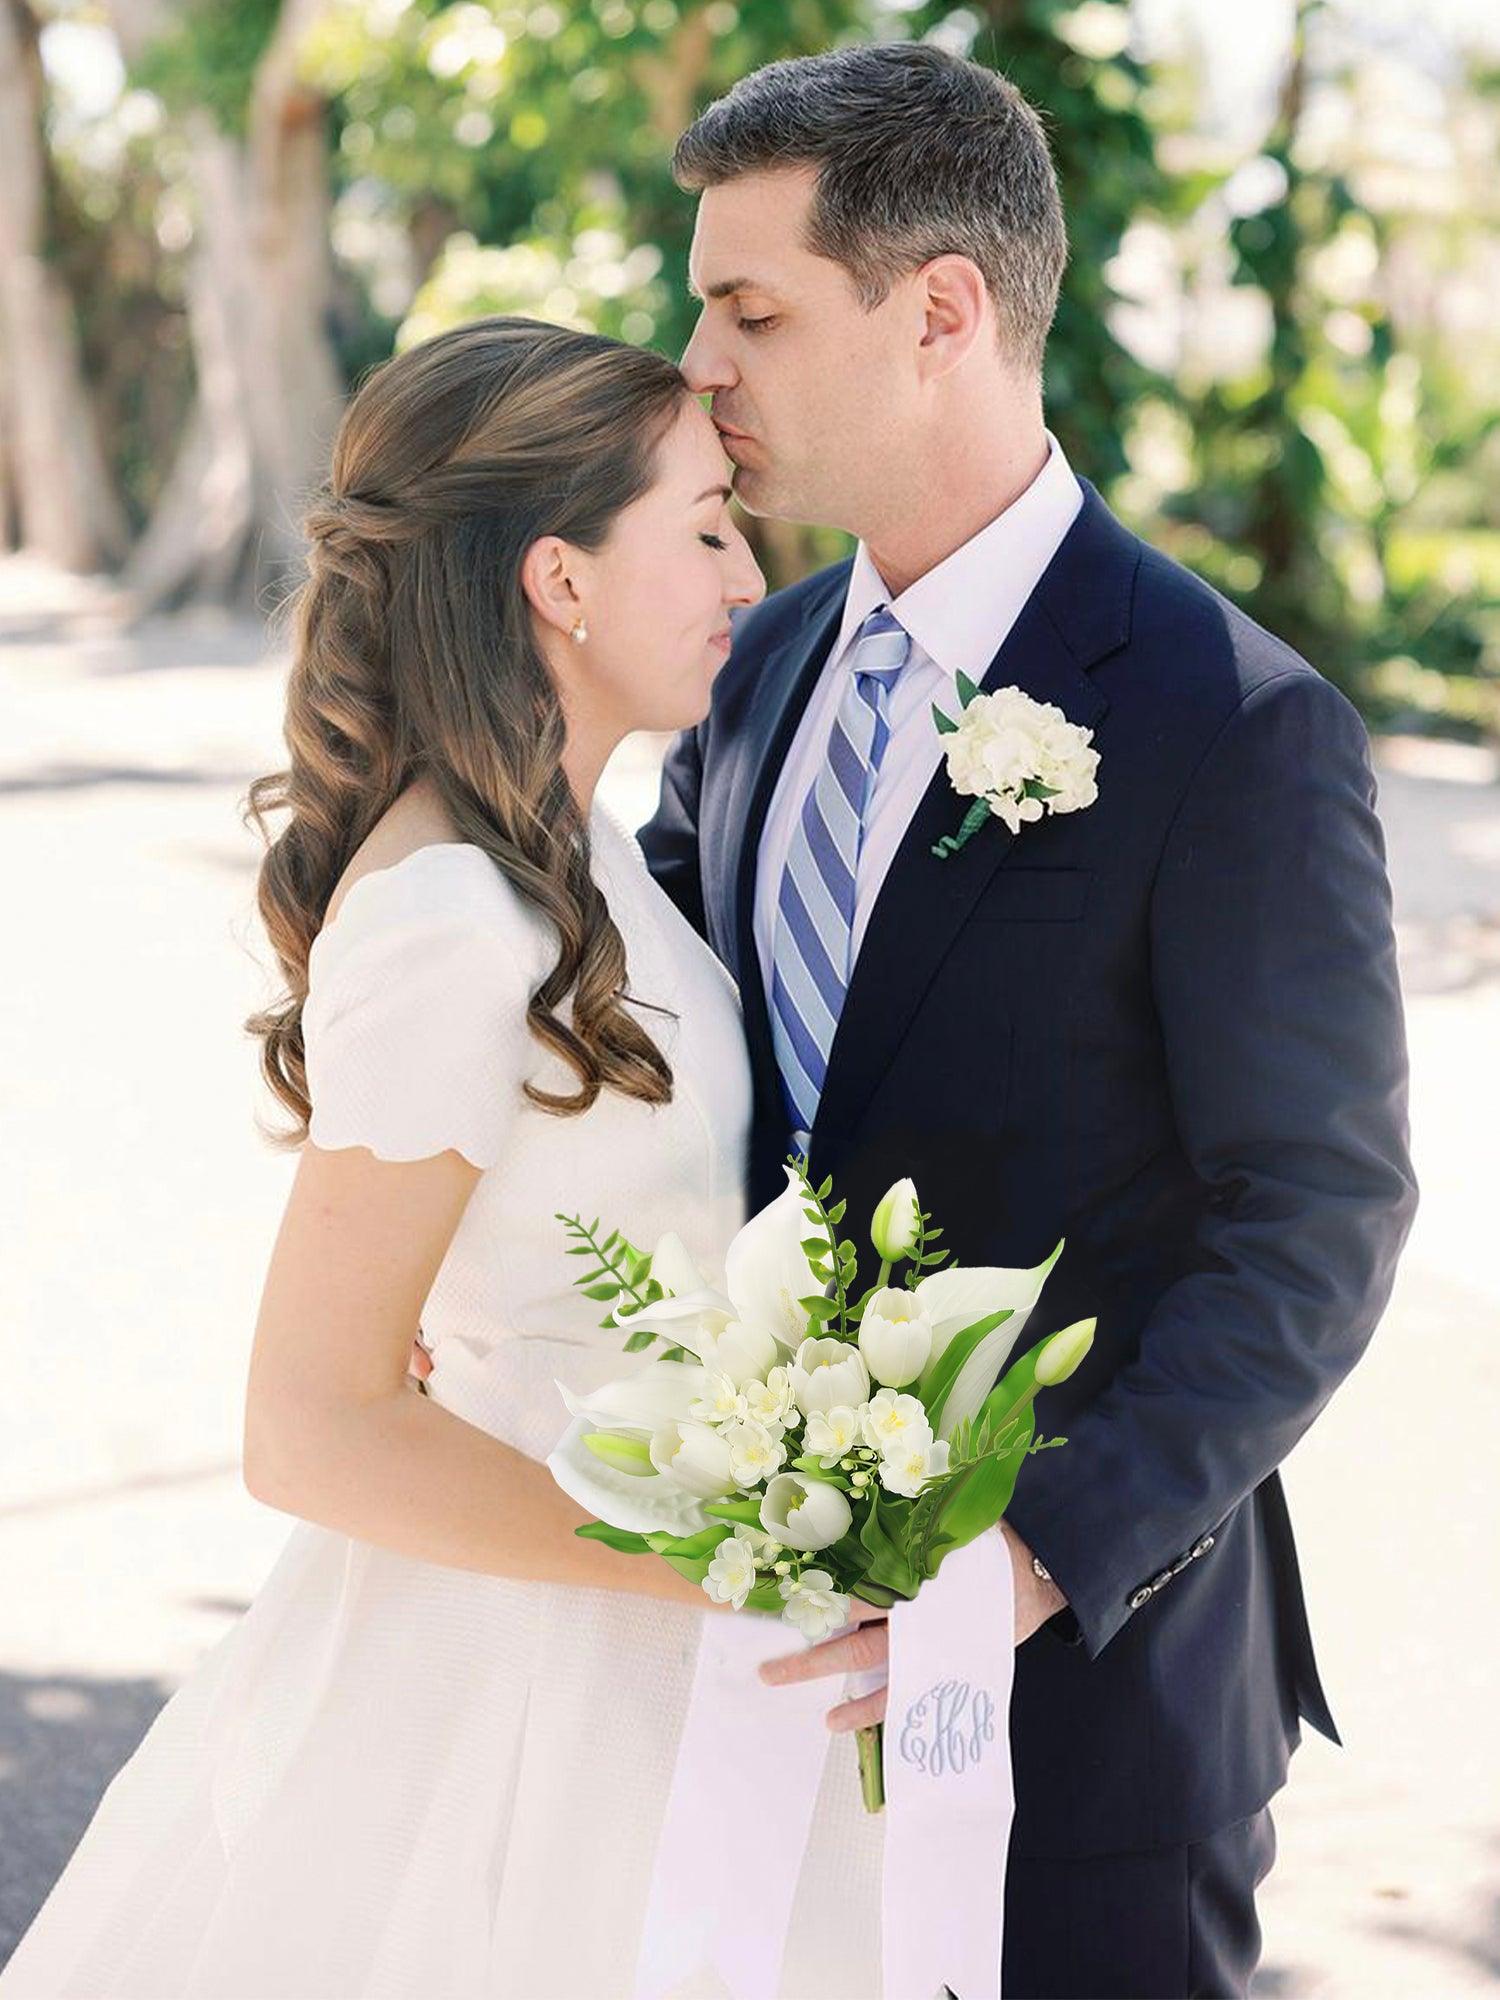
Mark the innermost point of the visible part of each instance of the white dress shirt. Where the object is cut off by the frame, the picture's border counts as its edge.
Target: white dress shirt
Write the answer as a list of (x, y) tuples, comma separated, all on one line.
[(958, 615)]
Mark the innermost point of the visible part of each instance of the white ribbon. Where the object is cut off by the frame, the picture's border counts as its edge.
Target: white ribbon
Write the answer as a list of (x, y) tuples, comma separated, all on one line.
[(750, 1763)]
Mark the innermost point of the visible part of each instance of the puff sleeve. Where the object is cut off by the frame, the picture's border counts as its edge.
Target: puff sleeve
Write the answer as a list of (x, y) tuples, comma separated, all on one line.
[(414, 1026)]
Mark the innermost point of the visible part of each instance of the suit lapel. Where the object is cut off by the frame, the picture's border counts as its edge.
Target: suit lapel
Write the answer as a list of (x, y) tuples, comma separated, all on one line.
[(1077, 614)]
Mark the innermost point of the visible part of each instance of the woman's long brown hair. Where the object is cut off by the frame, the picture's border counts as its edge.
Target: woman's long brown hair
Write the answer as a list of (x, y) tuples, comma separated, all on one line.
[(414, 655)]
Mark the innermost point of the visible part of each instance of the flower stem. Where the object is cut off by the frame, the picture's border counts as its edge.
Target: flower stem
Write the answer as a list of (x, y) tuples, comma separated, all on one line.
[(871, 1773)]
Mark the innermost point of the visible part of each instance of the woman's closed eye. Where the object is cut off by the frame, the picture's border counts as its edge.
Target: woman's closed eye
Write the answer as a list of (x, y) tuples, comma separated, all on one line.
[(714, 542)]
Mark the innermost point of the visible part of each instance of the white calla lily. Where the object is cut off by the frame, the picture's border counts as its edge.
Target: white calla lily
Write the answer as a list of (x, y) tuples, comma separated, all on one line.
[(957, 1298), (645, 1506), (766, 1270), (673, 1267), (804, 1513), (642, 1400)]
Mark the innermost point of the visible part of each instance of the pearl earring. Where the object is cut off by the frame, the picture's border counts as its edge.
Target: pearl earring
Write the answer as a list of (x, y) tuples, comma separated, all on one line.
[(580, 632)]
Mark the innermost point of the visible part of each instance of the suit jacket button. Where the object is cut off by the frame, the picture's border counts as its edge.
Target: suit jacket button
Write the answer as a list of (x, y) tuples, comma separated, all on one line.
[(1140, 1597)]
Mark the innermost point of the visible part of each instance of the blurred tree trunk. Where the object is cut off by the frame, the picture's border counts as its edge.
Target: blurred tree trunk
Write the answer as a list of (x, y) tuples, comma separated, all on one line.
[(55, 478), (259, 305)]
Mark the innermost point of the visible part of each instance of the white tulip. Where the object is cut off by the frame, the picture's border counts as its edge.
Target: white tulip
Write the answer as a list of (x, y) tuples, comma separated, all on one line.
[(1063, 1352), (891, 1419), (755, 1450), (905, 1468), (826, 1372), (743, 1352), (813, 1605), (696, 1456), (804, 1513), (893, 1227), (895, 1336)]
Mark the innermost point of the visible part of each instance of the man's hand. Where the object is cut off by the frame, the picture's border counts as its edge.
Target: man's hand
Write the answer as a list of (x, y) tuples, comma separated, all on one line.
[(865, 1642), (1036, 1601)]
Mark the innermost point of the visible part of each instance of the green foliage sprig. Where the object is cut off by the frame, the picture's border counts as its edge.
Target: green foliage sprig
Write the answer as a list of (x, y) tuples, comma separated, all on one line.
[(623, 1269)]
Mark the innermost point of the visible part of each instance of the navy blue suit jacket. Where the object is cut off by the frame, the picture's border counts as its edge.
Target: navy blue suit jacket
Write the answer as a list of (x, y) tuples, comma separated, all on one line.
[(1168, 1028)]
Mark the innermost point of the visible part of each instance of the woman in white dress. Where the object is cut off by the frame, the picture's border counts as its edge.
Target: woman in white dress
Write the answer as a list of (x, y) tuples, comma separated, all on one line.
[(434, 1755)]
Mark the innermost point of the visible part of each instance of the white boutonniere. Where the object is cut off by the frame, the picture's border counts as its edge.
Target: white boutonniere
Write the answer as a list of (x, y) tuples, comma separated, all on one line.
[(1017, 758)]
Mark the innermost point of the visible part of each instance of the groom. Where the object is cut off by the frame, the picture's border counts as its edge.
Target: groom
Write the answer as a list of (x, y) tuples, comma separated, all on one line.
[(1165, 1026)]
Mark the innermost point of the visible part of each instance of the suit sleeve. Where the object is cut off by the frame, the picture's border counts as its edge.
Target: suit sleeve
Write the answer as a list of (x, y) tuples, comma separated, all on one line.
[(669, 839), (1275, 983)]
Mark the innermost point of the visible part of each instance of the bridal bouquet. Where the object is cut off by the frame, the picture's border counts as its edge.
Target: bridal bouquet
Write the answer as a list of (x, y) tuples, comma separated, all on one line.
[(792, 1446)]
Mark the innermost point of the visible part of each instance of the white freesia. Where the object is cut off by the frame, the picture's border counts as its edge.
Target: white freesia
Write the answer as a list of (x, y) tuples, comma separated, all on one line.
[(720, 1399), (962, 1295), (804, 1513), (771, 1401), (813, 1605), (696, 1456), (891, 1419), (905, 1467), (895, 1336), (730, 1577), (828, 1371), (1005, 740), (765, 1548), (831, 1433), (755, 1450)]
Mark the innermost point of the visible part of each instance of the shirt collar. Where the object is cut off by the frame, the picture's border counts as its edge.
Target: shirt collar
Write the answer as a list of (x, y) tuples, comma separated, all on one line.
[(959, 612)]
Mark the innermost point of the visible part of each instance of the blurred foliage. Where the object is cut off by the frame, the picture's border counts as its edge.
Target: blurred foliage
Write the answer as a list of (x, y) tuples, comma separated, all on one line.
[(1337, 480)]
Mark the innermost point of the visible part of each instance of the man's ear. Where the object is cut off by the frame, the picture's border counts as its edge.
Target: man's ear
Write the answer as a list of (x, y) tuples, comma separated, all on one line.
[(548, 569), (956, 308)]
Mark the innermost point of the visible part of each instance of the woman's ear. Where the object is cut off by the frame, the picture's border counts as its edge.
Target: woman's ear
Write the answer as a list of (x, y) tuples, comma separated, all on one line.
[(548, 570)]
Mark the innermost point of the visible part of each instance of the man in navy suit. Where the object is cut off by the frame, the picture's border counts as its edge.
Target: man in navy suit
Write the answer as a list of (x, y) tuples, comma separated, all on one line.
[(1165, 1026)]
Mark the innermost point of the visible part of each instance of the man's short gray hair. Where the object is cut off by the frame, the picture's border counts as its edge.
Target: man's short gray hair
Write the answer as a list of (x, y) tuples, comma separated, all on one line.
[(920, 154)]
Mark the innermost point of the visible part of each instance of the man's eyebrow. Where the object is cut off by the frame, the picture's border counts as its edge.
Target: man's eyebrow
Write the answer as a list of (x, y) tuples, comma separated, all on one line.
[(715, 493), (724, 287)]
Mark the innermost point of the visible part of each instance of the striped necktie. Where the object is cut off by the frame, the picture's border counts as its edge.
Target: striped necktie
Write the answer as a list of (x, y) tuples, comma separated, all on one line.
[(811, 954)]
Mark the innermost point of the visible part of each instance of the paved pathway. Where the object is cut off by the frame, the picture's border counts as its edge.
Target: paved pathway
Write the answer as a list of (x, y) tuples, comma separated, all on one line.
[(142, 1206)]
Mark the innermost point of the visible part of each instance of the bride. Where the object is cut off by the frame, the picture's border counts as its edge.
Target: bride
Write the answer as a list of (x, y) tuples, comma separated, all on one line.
[(434, 1755)]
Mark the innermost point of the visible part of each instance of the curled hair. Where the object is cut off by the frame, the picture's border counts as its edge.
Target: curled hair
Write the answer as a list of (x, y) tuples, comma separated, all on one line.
[(414, 656)]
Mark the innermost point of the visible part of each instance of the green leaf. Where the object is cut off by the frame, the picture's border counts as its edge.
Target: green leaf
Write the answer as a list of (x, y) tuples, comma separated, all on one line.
[(645, 1338), (607, 1291), (967, 689), (936, 1384), (945, 723), (981, 1495), (616, 1538), (746, 1510), (880, 1532), (836, 1213)]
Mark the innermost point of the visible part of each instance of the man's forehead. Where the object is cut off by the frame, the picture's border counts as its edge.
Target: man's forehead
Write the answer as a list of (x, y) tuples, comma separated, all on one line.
[(744, 236)]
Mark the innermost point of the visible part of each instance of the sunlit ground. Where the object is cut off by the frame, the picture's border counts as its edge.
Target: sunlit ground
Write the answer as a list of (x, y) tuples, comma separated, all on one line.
[(141, 1207)]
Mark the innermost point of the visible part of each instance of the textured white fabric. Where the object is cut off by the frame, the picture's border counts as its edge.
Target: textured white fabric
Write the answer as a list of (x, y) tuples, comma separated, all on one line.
[(392, 1778)]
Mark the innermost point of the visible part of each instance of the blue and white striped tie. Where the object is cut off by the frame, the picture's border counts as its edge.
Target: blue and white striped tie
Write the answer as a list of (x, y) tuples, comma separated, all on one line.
[(811, 944)]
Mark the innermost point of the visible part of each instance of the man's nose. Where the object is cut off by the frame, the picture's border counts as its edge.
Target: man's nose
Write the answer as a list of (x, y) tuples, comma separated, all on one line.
[(703, 368)]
